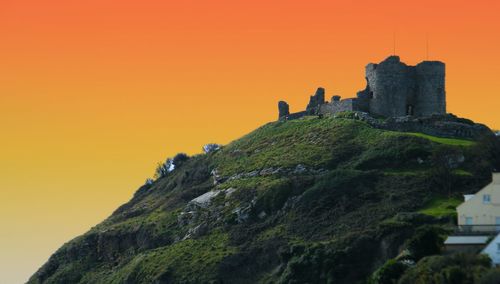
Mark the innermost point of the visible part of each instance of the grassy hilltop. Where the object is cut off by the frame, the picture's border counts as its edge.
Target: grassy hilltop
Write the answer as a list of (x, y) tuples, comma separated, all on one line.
[(313, 200)]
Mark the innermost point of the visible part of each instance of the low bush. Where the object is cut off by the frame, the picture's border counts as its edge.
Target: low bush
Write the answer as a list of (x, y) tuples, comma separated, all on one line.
[(389, 273), (456, 269), (426, 241)]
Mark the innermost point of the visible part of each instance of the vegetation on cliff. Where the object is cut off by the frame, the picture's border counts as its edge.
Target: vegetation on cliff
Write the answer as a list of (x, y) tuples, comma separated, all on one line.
[(314, 200)]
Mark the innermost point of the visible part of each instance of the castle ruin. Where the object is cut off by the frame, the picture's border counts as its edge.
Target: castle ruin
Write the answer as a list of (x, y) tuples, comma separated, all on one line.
[(393, 89)]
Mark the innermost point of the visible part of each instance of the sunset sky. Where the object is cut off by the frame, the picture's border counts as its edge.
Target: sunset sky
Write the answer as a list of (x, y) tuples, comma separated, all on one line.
[(94, 93)]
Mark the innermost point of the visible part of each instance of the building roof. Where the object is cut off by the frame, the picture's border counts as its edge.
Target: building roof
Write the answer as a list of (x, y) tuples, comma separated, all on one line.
[(466, 240), (468, 196)]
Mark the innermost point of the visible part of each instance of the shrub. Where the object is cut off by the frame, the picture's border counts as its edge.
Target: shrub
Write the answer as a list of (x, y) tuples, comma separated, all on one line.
[(273, 198), (389, 273), (456, 269), (490, 277), (490, 147), (162, 169), (337, 183), (394, 152), (444, 160), (179, 159), (149, 181), (211, 147), (426, 241)]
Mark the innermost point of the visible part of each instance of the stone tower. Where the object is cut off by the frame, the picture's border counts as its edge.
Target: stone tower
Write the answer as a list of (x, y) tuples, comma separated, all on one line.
[(396, 89), (431, 98)]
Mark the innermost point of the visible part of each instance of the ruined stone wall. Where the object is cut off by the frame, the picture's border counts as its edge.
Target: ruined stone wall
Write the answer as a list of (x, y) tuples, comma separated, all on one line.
[(283, 109), (444, 125), (395, 89), (431, 94), (315, 101), (392, 85), (295, 115), (334, 107)]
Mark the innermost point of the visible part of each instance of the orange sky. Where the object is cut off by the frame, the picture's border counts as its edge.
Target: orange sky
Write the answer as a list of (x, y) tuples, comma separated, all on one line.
[(93, 93)]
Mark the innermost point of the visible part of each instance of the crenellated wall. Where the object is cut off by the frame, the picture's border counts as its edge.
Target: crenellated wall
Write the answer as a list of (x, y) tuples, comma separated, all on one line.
[(393, 89), (431, 96), (396, 89), (338, 106)]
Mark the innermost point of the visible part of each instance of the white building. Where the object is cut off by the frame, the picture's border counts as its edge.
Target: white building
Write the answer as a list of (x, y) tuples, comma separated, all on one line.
[(493, 250), (470, 244), (481, 211)]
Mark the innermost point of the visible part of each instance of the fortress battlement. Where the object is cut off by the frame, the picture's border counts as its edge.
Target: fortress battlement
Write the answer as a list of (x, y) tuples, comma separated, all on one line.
[(393, 89)]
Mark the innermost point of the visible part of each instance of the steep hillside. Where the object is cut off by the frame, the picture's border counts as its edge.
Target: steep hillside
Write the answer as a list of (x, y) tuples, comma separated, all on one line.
[(313, 200)]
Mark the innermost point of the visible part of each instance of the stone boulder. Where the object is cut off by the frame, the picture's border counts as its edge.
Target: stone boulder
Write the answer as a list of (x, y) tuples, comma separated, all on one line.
[(205, 199)]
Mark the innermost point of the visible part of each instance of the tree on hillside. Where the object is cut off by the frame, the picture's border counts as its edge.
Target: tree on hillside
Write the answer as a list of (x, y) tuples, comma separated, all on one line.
[(162, 169), (179, 159), (444, 160), (211, 147), (488, 147)]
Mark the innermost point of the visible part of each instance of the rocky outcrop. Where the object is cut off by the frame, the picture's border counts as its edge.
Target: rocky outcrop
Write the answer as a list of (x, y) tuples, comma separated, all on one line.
[(435, 125), (205, 199), (297, 170)]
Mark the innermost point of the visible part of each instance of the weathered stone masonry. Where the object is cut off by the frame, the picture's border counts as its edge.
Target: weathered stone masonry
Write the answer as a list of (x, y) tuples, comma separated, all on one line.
[(412, 98), (393, 89)]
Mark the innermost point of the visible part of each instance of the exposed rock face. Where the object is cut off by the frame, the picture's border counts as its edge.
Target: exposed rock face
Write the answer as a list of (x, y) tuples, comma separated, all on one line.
[(216, 177), (283, 109), (205, 199)]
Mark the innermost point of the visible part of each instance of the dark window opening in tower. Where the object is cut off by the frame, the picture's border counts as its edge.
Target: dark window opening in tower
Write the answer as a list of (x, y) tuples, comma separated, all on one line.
[(409, 110), (371, 95)]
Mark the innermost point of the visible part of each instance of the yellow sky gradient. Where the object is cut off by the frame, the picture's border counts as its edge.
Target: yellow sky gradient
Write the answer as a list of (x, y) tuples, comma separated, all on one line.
[(94, 93)]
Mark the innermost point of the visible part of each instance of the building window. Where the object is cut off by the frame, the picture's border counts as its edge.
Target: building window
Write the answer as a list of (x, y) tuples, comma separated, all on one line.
[(498, 247), (468, 220), (486, 199)]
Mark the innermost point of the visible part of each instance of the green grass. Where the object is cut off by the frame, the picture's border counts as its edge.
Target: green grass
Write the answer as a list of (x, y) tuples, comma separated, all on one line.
[(285, 144), (273, 232), (460, 172), (259, 182), (190, 261), (369, 175), (414, 171), (446, 141), (311, 142), (441, 206)]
